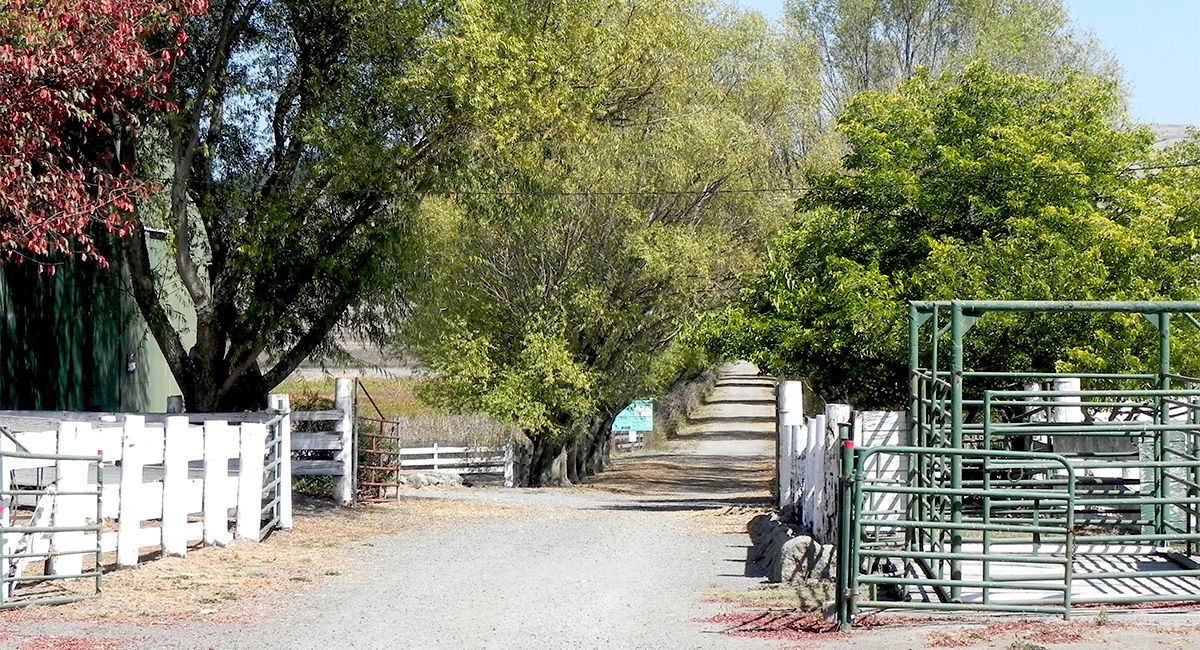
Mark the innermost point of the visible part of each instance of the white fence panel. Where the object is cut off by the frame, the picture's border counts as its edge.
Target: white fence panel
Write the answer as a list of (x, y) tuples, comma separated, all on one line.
[(176, 474), (883, 429)]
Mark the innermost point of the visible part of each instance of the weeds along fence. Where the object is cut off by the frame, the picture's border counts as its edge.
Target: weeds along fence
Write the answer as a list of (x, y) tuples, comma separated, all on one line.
[(96, 484)]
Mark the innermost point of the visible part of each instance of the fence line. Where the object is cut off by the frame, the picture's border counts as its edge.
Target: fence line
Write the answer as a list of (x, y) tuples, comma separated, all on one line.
[(186, 477), (625, 441), (325, 431), (809, 457)]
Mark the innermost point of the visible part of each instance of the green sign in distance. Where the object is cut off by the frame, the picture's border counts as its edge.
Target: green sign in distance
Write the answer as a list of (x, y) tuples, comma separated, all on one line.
[(638, 416)]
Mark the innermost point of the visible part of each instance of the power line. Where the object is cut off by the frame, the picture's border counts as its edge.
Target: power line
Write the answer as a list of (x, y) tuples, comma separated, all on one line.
[(798, 191)]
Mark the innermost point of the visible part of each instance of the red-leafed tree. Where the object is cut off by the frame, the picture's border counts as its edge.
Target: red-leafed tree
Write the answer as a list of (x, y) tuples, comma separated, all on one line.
[(74, 76)]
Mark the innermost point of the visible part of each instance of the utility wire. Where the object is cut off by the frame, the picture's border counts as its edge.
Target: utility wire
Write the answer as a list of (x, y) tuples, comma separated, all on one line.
[(797, 190)]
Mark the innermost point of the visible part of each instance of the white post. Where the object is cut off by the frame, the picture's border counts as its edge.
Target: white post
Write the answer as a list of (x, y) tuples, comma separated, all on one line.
[(250, 481), (510, 456), (804, 493), (129, 520), (815, 471), (789, 409), (343, 488), (71, 476), (435, 456), (1067, 413), (1035, 387), (798, 439), (175, 486), (220, 444), (826, 519), (283, 404)]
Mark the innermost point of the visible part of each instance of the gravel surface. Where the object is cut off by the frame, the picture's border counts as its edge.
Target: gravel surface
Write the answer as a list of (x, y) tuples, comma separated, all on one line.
[(628, 561), (624, 562)]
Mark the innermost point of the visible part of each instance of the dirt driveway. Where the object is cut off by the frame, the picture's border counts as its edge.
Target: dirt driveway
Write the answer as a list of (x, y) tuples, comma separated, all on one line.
[(652, 555), (625, 562)]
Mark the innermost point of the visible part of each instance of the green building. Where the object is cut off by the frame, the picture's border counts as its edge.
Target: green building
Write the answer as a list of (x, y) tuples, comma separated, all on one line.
[(75, 340)]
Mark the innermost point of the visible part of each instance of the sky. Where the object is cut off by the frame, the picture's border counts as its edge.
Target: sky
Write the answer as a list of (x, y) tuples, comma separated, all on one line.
[(1157, 43)]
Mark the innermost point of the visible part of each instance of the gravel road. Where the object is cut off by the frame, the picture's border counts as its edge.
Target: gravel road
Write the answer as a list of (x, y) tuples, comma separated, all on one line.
[(630, 561), (579, 568), (623, 563)]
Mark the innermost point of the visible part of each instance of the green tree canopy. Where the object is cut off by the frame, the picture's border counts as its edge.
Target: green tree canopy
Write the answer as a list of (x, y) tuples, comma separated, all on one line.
[(973, 185), (568, 262), (876, 44)]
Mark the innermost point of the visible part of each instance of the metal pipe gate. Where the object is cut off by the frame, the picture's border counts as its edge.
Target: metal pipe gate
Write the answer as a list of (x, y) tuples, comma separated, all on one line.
[(1006, 507), (29, 547)]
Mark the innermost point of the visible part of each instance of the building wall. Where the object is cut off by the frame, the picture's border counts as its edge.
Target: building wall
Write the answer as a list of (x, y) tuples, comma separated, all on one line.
[(66, 340)]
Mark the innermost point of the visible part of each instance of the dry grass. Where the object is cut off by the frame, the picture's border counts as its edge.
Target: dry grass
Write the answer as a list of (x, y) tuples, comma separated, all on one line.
[(222, 583), (394, 397)]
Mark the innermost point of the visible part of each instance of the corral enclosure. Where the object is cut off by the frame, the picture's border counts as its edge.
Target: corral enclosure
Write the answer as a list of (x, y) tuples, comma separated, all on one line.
[(1027, 491)]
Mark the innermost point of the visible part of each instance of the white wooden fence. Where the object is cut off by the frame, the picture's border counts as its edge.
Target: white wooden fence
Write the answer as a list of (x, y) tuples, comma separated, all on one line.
[(628, 440), (461, 460), (167, 484), (810, 458), (327, 431)]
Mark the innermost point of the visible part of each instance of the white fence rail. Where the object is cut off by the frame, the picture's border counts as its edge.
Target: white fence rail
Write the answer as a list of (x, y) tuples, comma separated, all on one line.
[(168, 484), (460, 460), (628, 440), (329, 431)]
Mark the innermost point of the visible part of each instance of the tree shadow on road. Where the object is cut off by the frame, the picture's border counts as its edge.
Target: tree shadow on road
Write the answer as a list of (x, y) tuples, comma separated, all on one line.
[(709, 475)]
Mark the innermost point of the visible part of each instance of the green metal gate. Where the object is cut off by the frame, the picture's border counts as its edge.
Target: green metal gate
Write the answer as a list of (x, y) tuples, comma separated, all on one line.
[(1005, 509)]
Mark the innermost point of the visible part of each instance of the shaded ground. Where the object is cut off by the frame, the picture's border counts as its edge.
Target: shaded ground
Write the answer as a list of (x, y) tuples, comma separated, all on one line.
[(621, 563)]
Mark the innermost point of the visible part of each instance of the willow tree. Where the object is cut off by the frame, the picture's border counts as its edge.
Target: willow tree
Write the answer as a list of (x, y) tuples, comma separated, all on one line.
[(876, 44), (306, 132), (567, 262)]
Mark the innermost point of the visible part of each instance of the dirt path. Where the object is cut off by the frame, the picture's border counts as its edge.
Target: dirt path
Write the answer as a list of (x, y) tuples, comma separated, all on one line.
[(630, 561), (625, 562)]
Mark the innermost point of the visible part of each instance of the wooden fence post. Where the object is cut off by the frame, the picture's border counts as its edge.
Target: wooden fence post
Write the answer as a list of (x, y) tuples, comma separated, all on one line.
[(826, 530), (129, 518), (509, 460), (343, 488), (70, 510), (789, 408), (220, 445), (175, 486)]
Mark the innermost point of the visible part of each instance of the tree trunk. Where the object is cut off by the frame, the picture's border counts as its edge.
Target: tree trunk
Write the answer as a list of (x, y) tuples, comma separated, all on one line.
[(598, 457), (548, 468), (573, 458)]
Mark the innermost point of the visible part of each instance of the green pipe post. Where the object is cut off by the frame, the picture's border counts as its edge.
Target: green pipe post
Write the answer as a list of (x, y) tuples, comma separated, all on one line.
[(1161, 440), (987, 499), (845, 539), (916, 386), (956, 439)]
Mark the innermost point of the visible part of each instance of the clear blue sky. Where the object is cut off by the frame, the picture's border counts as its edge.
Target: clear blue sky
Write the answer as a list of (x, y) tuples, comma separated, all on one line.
[(1157, 43)]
